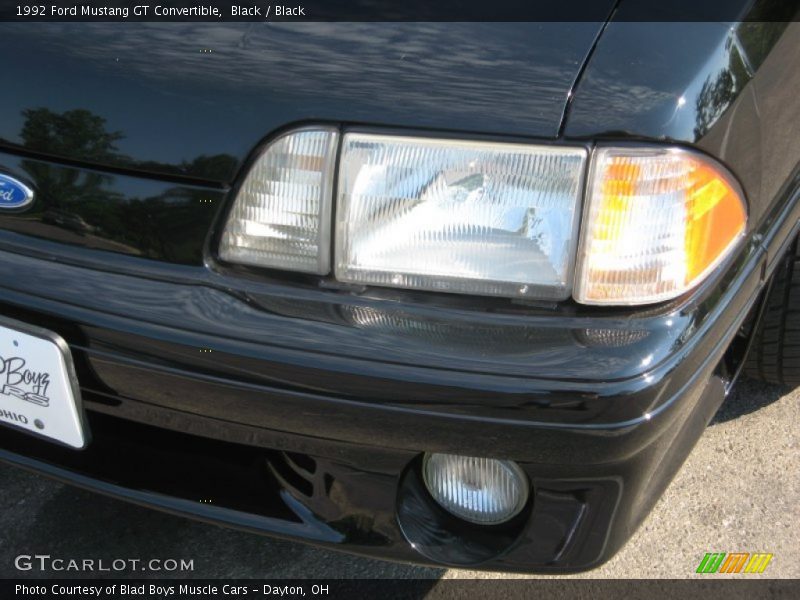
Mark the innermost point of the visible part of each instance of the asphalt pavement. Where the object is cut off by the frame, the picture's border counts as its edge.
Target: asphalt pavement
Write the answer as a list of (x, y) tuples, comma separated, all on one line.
[(739, 491)]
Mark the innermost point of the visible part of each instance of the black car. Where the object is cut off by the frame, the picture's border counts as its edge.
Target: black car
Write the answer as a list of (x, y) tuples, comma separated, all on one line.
[(449, 293)]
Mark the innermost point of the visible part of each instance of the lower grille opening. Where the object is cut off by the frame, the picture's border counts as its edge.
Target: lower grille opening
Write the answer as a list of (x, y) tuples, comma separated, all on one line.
[(150, 459), (294, 472)]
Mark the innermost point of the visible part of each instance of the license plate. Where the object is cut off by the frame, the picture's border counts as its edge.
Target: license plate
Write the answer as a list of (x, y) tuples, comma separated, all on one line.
[(38, 387)]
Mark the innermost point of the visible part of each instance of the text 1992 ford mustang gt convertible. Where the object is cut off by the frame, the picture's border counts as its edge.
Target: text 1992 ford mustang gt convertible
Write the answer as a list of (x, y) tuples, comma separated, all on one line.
[(450, 293)]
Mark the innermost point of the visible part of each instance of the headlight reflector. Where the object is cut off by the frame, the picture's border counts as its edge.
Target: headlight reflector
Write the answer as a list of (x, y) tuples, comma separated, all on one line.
[(658, 220), (281, 215), (454, 216)]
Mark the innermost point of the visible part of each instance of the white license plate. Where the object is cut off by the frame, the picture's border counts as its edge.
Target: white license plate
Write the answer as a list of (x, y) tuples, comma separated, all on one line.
[(38, 386)]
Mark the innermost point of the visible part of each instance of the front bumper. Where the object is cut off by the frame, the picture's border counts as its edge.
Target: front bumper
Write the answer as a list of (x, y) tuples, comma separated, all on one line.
[(303, 412)]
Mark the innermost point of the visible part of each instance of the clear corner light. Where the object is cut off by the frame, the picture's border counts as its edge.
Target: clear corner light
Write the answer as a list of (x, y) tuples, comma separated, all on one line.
[(658, 221), (485, 491), (457, 216), (281, 217)]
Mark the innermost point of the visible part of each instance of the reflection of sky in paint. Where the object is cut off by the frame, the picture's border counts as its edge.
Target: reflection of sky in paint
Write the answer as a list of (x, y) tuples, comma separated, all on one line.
[(630, 94), (492, 77)]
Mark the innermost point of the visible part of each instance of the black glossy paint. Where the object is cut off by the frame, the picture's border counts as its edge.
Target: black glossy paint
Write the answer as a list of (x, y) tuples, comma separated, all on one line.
[(265, 363), (167, 107), (345, 495), (107, 211), (600, 406)]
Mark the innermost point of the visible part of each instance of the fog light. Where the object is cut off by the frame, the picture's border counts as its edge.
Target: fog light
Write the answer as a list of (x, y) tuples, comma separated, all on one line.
[(480, 490)]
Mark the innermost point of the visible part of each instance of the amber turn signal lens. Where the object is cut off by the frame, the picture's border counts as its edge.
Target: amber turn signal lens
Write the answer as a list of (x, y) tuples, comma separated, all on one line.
[(657, 223)]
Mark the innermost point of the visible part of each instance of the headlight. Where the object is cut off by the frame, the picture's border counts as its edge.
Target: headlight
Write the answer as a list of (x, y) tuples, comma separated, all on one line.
[(281, 215), (466, 217), (658, 221), (487, 218)]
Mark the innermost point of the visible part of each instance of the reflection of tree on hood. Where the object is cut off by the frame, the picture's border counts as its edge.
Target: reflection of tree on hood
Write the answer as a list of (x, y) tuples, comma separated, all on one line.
[(715, 96), (80, 134), (748, 46), (165, 226), (72, 134)]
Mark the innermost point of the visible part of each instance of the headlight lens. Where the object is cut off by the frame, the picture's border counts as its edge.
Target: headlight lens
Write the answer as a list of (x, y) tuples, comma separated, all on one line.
[(282, 213), (486, 218), (466, 217), (658, 221)]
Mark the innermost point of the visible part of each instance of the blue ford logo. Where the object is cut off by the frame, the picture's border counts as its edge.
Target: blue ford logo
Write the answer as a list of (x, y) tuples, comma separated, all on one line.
[(14, 194)]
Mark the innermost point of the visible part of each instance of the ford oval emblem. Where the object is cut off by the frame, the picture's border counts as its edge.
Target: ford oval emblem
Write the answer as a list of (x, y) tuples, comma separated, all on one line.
[(14, 194)]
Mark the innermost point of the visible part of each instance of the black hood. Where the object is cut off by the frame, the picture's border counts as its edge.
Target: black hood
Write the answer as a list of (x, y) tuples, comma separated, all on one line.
[(195, 99)]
